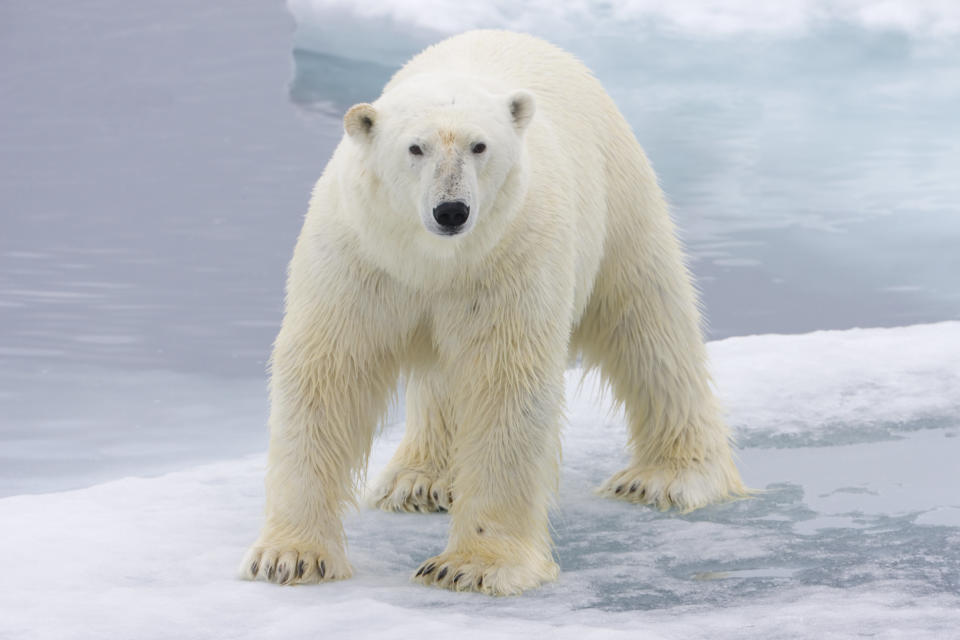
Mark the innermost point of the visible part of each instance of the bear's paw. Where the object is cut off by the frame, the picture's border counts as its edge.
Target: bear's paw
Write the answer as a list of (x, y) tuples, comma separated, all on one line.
[(413, 490), (684, 487), (484, 573), (293, 564)]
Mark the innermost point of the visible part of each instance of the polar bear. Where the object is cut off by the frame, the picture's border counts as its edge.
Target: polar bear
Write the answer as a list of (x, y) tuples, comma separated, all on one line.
[(488, 217)]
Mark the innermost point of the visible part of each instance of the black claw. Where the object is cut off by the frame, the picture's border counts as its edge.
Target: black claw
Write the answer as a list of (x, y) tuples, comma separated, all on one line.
[(283, 574), (436, 496), (634, 486), (457, 577), (301, 567), (429, 569), (254, 566), (270, 571), (619, 490), (323, 569), (420, 571), (419, 492), (442, 574), (479, 582)]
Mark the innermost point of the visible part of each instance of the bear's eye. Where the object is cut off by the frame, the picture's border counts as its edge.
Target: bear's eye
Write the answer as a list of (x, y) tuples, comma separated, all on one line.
[(416, 150), (479, 148)]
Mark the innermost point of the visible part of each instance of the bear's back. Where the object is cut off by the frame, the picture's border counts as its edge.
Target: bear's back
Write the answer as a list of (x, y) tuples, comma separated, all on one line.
[(514, 57), (565, 89)]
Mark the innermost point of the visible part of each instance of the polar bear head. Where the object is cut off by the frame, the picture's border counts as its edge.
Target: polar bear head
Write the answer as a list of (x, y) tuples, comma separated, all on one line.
[(442, 148)]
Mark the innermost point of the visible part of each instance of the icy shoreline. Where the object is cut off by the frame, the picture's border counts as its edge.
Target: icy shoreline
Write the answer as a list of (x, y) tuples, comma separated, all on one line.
[(852, 434)]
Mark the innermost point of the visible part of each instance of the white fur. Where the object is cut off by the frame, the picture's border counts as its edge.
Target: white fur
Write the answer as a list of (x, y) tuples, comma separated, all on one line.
[(568, 249)]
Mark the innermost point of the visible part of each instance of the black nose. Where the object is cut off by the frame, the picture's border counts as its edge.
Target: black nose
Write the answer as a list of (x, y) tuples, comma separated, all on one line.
[(451, 215)]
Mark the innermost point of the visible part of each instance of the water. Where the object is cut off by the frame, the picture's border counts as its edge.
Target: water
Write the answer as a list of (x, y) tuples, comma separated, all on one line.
[(154, 177)]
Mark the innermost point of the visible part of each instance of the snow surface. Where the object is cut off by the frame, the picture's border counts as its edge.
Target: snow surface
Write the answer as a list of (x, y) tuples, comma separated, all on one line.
[(339, 26), (852, 436)]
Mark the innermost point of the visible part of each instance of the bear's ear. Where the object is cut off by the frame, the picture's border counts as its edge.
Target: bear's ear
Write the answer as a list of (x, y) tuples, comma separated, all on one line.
[(522, 108), (359, 121)]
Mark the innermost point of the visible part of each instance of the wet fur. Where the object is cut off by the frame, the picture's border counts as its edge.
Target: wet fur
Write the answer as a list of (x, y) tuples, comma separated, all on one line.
[(572, 253)]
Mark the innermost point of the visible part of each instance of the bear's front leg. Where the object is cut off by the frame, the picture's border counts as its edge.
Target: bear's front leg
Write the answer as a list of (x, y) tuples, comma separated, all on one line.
[(507, 398), (326, 397), (506, 458)]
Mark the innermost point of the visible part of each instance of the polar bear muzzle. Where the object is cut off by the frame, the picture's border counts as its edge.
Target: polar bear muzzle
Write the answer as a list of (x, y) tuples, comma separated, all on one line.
[(451, 216)]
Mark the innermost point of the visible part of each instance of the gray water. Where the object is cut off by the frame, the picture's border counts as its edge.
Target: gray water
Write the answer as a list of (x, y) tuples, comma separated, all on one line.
[(156, 161), (153, 177)]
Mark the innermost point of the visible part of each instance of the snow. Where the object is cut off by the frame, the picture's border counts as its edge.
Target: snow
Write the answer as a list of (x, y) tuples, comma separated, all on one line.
[(832, 387), (695, 16), (851, 436), (339, 26)]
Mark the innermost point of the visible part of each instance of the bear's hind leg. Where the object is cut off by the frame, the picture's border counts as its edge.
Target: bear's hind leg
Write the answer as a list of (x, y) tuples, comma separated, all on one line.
[(641, 329), (417, 477)]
